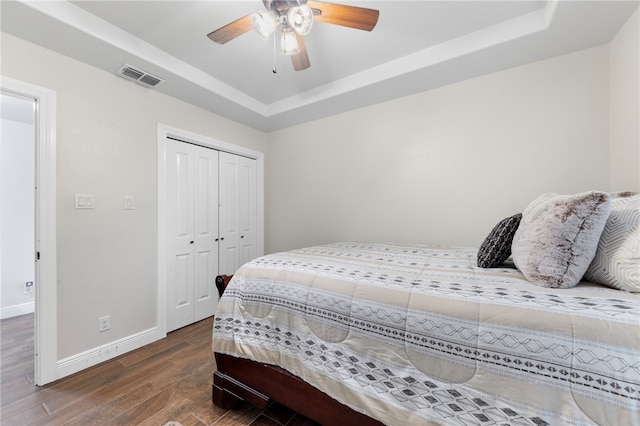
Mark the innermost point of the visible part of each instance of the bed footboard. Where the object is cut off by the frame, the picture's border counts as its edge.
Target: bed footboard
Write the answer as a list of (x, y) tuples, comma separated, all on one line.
[(240, 379)]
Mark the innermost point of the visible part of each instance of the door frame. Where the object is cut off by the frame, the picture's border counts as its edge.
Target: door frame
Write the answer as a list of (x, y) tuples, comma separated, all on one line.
[(46, 301), (164, 132)]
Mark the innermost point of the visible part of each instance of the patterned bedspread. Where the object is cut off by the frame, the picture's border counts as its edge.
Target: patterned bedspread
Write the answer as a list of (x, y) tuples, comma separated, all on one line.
[(413, 335)]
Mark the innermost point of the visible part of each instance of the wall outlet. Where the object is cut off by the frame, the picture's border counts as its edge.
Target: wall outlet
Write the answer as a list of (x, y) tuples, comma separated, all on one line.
[(28, 287), (104, 323)]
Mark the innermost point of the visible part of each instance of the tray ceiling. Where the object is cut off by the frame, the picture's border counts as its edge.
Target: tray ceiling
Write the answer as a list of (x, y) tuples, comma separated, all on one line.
[(416, 46)]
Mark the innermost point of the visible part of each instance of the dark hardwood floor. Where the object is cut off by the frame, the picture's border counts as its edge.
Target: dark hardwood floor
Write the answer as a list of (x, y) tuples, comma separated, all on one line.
[(166, 381)]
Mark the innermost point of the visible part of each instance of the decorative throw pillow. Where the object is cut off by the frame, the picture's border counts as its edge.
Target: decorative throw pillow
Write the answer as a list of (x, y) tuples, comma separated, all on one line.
[(617, 260), (558, 237), (496, 248)]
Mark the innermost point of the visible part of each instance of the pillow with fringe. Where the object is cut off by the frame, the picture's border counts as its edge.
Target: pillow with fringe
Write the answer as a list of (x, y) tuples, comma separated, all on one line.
[(558, 237)]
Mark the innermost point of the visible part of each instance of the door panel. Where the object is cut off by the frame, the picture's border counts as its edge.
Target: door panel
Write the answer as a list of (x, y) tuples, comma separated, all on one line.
[(181, 294), (206, 299), (229, 260), (206, 231), (247, 212), (202, 290), (183, 195), (238, 214), (180, 259), (183, 282), (192, 230), (228, 191), (228, 213)]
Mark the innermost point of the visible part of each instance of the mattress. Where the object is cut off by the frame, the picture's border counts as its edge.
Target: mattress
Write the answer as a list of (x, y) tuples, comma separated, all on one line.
[(419, 335)]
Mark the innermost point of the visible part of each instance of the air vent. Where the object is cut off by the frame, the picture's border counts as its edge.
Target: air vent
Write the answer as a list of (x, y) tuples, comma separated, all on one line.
[(141, 77)]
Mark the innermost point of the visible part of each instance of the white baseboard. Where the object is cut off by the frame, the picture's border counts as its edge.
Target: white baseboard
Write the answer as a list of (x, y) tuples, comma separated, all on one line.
[(16, 310), (95, 356)]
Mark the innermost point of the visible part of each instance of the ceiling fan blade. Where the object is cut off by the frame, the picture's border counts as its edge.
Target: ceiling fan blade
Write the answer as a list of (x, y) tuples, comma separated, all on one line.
[(348, 16), (300, 60), (231, 30)]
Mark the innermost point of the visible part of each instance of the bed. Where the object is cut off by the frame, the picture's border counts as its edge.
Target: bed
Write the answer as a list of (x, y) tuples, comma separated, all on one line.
[(368, 333), (537, 326)]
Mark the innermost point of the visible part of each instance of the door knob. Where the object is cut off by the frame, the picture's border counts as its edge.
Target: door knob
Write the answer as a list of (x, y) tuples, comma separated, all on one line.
[(190, 242)]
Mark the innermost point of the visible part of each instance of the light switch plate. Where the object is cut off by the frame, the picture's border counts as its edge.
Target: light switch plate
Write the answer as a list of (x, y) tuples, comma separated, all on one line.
[(128, 202), (85, 202)]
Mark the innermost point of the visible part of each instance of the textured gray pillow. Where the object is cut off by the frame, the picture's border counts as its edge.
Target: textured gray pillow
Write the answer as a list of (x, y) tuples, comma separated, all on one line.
[(558, 236), (496, 248), (617, 260)]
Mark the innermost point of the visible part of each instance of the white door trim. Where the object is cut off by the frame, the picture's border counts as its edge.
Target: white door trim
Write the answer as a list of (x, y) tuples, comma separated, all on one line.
[(46, 319), (165, 131)]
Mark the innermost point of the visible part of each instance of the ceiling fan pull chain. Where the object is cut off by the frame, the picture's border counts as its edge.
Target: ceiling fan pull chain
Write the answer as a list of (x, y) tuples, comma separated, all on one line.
[(275, 70)]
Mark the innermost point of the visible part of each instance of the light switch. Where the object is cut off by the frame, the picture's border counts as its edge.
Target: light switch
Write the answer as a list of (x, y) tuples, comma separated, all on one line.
[(85, 201), (128, 202)]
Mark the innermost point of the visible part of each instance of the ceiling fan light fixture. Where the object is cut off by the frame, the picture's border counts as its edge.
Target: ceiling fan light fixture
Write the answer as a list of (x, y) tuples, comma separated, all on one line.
[(288, 43), (264, 22), (300, 18), (295, 19)]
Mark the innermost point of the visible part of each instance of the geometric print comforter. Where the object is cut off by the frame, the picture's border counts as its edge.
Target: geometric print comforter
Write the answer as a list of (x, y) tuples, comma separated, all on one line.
[(420, 335)]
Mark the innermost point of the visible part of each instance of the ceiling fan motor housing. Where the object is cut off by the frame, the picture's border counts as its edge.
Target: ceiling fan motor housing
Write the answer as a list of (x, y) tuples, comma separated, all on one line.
[(281, 6)]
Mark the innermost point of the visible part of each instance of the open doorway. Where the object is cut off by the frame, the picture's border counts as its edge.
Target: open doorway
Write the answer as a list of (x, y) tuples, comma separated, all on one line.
[(17, 205), (17, 243), (42, 103)]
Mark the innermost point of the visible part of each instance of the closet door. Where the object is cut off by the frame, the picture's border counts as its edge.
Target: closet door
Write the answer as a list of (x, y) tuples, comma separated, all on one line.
[(206, 232), (192, 229), (238, 211)]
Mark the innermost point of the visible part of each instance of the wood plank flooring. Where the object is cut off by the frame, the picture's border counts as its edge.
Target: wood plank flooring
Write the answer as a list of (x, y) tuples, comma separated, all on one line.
[(166, 381)]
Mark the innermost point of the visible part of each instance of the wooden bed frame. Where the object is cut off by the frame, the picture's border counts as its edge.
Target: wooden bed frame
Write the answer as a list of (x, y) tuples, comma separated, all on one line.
[(238, 379)]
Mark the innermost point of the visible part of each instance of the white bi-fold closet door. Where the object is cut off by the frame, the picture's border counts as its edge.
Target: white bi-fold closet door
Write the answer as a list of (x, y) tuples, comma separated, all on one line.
[(209, 217), (238, 212)]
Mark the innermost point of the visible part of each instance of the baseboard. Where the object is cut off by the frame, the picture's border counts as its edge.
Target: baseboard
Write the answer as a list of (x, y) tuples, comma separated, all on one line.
[(103, 353), (16, 310)]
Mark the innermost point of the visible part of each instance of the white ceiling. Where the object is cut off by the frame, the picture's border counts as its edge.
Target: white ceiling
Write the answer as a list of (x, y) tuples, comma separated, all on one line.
[(416, 46)]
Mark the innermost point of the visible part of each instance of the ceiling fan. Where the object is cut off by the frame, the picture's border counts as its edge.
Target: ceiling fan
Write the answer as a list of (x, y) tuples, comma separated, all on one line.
[(295, 18)]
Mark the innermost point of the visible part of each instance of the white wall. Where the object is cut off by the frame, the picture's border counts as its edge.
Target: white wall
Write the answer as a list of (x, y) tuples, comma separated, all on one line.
[(442, 166), (106, 146), (624, 98), (17, 214)]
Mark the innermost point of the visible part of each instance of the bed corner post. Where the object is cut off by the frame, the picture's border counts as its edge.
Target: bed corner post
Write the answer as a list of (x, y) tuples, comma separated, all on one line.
[(222, 281)]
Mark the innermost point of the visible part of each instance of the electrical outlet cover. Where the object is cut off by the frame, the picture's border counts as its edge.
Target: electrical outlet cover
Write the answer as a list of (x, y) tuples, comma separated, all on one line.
[(104, 323)]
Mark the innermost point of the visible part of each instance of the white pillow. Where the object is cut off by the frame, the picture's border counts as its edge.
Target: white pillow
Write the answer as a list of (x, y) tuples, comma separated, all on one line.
[(617, 260), (558, 236)]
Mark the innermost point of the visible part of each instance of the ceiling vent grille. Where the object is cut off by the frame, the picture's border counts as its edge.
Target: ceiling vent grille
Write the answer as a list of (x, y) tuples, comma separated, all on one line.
[(141, 77)]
